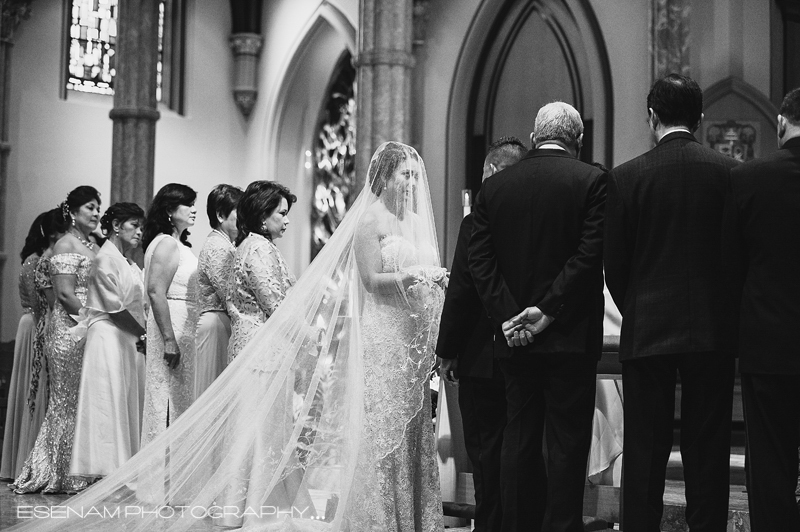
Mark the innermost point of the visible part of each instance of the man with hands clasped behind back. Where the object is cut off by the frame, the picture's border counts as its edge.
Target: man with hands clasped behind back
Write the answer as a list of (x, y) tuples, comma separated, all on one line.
[(465, 348), (536, 258)]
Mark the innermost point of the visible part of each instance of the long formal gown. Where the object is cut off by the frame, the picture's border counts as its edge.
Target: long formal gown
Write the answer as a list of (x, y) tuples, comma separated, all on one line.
[(213, 326), (259, 283), (39, 387), (24, 346), (399, 490), (169, 392), (47, 467), (351, 347), (109, 418)]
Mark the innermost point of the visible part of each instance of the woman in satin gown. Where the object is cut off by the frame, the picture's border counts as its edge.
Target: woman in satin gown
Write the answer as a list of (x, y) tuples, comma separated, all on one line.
[(170, 279), (260, 278), (214, 267), (108, 422), (47, 467), (353, 341), (16, 427)]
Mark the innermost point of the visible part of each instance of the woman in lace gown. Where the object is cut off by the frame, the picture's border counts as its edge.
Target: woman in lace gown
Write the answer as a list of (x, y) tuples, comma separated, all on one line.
[(213, 271), (47, 466), (108, 422), (260, 278), (353, 343), (24, 345), (170, 273)]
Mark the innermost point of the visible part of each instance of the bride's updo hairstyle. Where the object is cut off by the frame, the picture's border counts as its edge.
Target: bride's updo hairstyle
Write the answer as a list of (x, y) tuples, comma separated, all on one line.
[(169, 198), (121, 212), (258, 202), (384, 164)]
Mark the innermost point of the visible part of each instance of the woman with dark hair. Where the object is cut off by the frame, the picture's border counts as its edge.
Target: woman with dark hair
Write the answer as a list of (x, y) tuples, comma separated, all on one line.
[(108, 421), (47, 467), (260, 277), (24, 347), (38, 388), (214, 270), (170, 273)]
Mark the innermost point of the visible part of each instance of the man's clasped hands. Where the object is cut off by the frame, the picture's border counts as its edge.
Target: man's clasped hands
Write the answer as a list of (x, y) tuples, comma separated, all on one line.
[(521, 329)]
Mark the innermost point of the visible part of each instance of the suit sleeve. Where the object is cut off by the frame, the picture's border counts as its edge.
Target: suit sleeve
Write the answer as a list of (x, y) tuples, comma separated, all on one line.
[(583, 266), (616, 254), (462, 306), (492, 288)]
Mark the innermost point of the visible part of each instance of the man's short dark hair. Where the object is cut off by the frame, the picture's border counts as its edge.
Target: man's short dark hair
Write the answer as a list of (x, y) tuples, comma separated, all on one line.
[(677, 100), (790, 108), (505, 151)]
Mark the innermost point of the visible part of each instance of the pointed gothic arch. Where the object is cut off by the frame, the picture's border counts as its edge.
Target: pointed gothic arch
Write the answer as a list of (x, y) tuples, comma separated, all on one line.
[(495, 46), (292, 117)]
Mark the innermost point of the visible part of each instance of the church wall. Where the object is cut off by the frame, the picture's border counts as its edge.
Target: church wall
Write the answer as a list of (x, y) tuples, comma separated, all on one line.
[(59, 144), (303, 41)]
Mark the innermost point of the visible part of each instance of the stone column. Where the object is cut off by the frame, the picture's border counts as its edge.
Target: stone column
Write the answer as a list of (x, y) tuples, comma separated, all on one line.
[(384, 63), (135, 109), (669, 37), (13, 11)]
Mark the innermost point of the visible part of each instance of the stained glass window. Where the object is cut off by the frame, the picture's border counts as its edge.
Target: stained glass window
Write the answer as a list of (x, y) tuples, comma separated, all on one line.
[(334, 155), (92, 42), (93, 36)]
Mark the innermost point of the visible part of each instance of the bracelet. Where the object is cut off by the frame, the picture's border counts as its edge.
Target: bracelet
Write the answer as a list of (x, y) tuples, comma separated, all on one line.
[(143, 338)]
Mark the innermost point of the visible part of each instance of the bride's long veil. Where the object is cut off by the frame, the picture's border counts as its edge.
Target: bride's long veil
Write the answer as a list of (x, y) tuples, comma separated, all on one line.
[(277, 441)]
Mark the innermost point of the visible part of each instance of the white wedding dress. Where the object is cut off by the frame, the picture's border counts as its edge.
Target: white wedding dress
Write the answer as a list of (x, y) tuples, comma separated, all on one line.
[(323, 420)]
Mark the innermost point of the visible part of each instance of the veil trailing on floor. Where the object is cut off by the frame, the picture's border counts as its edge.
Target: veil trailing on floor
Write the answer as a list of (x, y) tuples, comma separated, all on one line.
[(289, 436)]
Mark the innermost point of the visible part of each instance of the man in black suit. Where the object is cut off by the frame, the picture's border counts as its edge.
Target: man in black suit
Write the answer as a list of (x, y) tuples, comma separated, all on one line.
[(466, 351), (762, 224), (536, 259), (662, 265)]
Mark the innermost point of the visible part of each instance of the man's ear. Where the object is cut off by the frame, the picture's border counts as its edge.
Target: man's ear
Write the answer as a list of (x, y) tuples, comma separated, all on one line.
[(533, 140), (781, 127), (652, 118), (697, 125)]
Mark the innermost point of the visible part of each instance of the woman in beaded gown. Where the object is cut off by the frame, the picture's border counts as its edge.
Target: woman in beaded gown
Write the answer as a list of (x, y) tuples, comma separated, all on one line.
[(213, 271), (108, 423), (353, 341), (24, 346), (170, 280), (47, 467), (39, 386), (260, 277)]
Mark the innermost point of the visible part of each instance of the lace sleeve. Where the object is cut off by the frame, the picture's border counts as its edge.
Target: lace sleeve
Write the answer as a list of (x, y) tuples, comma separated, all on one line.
[(218, 268), (267, 276)]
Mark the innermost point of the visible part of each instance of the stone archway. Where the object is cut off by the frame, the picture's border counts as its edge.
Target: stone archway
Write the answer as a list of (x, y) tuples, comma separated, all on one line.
[(507, 81), (295, 112)]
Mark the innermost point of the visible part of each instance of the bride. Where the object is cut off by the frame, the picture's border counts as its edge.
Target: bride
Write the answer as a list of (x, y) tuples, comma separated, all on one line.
[(323, 420)]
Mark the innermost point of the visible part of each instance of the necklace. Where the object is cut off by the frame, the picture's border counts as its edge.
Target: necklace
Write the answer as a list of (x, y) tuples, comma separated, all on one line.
[(85, 242)]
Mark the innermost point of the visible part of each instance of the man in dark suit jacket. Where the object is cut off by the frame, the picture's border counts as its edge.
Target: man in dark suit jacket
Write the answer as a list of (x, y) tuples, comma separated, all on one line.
[(760, 246), (466, 351), (536, 259), (662, 266)]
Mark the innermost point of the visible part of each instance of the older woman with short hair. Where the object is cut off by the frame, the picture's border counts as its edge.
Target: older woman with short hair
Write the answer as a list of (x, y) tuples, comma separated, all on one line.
[(108, 422), (213, 271), (260, 278)]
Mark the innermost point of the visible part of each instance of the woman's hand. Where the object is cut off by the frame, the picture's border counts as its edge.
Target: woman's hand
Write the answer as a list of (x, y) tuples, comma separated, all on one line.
[(172, 354)]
